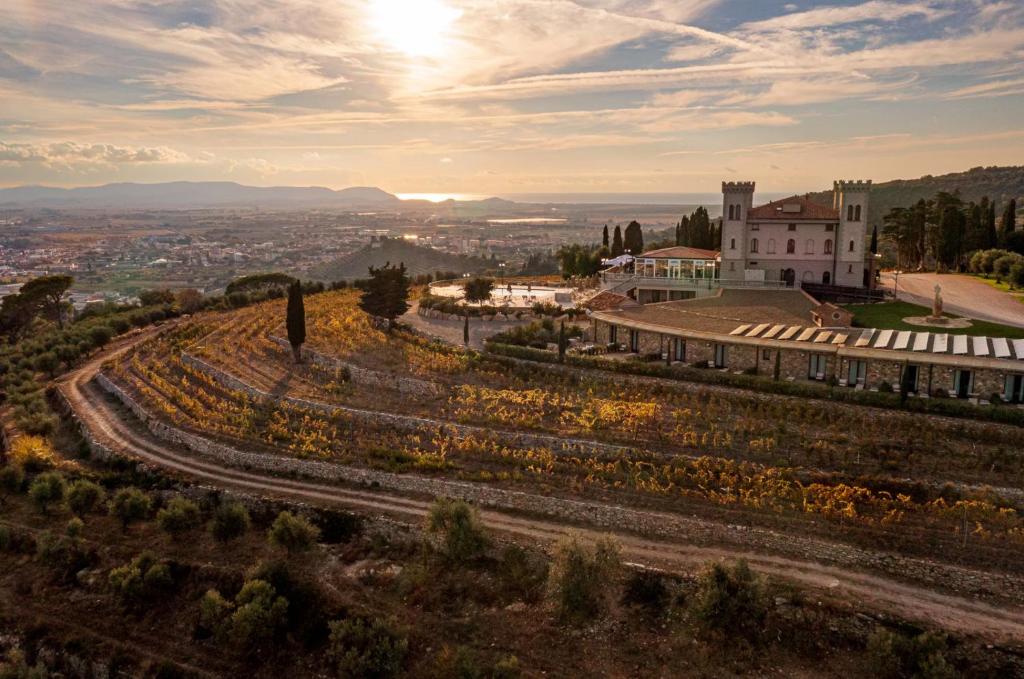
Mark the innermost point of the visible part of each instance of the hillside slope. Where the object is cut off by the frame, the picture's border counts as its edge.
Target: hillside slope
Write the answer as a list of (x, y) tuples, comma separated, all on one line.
[(998, 183), (418, 260)]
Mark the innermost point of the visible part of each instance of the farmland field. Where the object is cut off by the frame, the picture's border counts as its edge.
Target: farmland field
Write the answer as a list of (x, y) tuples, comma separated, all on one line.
[(937, 487)]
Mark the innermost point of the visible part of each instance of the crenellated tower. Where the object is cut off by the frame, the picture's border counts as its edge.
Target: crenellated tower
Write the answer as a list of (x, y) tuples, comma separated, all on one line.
[(850, 199), (737, 201)]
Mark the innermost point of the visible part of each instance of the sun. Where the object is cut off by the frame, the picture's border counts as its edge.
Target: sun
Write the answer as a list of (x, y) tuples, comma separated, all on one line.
[(417, 28)]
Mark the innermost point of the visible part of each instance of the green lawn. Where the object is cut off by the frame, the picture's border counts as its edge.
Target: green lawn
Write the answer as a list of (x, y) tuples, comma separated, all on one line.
[(890, 315)]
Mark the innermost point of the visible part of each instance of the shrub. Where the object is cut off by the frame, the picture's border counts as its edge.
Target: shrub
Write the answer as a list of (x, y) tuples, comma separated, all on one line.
[(180, 515), (12, 477), (896, 655), (885, 387), (99, 335), (259, 613), (293, 533), (1001, 267), (34, 453), (506, 668), (731, 600), (1016, 275), (84, 496), (47, 489), (362, 647), (74, 528), (130, 505), (582, 578), (647, 590), (213, 610), (141, 579), (230, 521), (459, 525), (523, 574)]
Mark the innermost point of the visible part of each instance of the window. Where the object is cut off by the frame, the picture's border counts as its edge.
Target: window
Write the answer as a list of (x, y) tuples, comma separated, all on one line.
[(1014, 389), (826, 278), (634, 341), (857, 373), (720, 355), (852, 246), (753, 264), (732, 211), (613, 334), (790, 246), (753, 245), (738, 212), (810, 246), (732, 266), (771, 246), (792, 227), (849, 268), (963, 383), (732, 244), (766, 355), (828, 247), (849, 213), (856, 213), (678, 349), (755, 227), (830, 227), (908, 379), (817, 366)]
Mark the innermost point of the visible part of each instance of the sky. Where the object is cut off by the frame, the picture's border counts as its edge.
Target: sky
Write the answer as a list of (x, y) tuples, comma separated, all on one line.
[(508, 96)]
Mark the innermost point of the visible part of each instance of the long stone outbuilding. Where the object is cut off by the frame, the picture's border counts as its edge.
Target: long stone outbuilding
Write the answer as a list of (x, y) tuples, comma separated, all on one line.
[(774, 332)]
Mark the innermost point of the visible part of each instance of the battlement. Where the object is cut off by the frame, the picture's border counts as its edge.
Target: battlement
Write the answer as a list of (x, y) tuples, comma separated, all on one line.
[(737, 187), (851, 185)]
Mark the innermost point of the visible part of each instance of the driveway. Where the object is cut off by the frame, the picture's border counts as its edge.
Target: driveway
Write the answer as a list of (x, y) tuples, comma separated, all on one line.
[(961, 295), (451, 331)]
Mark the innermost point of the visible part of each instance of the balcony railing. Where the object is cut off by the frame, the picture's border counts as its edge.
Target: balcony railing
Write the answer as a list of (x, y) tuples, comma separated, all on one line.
[(621, 280)]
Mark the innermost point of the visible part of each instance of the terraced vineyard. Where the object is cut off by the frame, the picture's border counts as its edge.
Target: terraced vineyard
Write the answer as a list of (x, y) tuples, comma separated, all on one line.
[(869, 477)]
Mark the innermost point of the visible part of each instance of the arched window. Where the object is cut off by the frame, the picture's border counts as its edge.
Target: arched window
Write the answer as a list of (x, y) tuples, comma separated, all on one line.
[(826, 277), (810, 246), (828, 247), (732, 244), (738, 209), (856, 214), (732, 212), (771, 246), (790, 246), (852, 246), (753, 245), (849, 213)]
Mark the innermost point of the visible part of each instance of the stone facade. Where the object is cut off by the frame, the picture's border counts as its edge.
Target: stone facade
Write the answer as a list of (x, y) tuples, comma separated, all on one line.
[(795, 362)]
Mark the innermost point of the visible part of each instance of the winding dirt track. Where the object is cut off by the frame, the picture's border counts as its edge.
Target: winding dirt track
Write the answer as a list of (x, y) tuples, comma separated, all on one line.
[(869, 592)]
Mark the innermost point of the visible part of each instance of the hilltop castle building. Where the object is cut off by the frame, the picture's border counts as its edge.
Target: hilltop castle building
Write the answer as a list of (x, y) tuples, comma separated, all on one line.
[(795, 239)]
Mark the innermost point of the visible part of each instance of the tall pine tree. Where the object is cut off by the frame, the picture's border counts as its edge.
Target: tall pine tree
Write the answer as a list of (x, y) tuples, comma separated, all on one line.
[(295, 320), (1009, 221), (604, 236), (633, 240), (386, 293)]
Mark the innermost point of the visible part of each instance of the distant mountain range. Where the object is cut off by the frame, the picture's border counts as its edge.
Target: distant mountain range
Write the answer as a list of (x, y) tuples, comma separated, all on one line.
[(196, 195)]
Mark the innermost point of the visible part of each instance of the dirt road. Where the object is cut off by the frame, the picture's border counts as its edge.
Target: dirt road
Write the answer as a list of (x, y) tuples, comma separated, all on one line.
[(869, 592)]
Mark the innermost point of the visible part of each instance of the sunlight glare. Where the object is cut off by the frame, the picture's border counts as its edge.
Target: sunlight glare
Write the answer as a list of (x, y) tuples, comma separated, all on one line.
[(418, 28)]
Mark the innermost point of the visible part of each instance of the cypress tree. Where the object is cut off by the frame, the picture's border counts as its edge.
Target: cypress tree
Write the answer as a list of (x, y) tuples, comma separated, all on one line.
[(990, 224), (874, 240), (1009, 220), (617, 248), (295, 320), (563, 342), (604, 236)]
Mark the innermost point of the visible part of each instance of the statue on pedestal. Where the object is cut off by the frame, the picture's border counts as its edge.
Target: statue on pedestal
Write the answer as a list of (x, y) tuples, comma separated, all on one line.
[(936, 316)]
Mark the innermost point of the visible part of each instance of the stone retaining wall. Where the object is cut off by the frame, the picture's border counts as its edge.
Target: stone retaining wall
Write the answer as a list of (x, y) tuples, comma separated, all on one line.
[(411, 423), (364, 376)]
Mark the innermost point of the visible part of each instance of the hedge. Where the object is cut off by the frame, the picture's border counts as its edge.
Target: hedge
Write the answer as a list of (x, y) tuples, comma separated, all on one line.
[(934, 406)]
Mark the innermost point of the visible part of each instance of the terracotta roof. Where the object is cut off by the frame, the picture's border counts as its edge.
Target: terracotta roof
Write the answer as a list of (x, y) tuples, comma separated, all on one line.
[(794, 209), (608, 301), (681, 252)]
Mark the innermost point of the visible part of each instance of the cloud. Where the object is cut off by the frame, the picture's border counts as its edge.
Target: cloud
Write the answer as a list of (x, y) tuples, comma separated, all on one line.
[(875, 10), (72, 154), (998, 88)]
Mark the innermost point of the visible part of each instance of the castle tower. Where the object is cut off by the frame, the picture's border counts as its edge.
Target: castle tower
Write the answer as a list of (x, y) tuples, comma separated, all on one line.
[(850, 198), (737, 201)]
